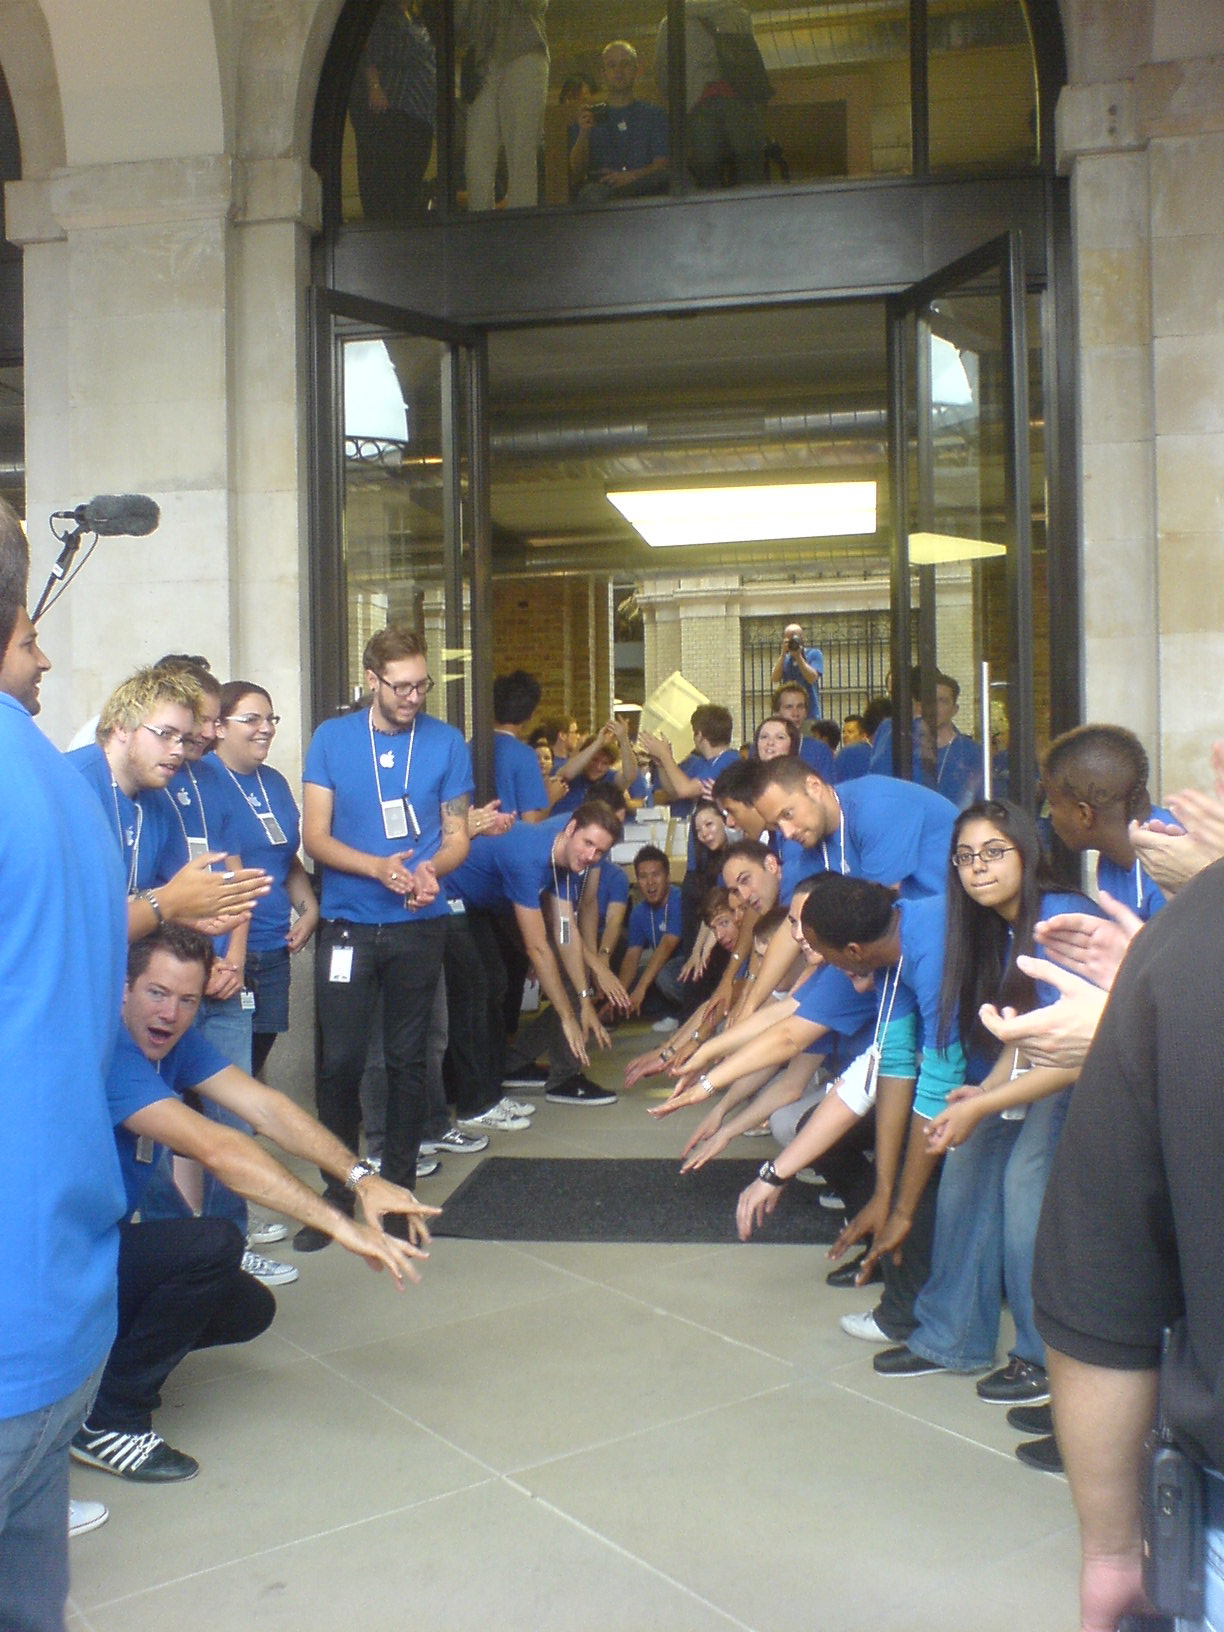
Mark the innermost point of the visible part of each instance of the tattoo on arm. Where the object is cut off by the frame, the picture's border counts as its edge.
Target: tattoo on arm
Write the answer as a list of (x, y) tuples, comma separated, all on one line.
[(454, 815)]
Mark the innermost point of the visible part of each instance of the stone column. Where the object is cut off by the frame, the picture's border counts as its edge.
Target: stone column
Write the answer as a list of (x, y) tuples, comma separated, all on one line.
[(1146, 156), (165, 354)]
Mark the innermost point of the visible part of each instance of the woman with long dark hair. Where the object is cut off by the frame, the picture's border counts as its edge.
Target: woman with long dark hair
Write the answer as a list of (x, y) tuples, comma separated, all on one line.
[(775, 738), (1000, 1136)]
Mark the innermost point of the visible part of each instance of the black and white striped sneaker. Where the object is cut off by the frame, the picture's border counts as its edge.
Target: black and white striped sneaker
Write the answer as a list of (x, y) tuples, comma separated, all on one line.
[(145, 1459)]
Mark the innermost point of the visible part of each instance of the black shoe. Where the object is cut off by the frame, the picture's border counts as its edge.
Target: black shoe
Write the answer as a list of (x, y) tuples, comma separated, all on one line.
[(145, 1458), (579, 1091), (1042, 1454), (1031, 1419), (1019, 1382), (526, 1076), (309, 1239), (844, 1274), (903, 1362)]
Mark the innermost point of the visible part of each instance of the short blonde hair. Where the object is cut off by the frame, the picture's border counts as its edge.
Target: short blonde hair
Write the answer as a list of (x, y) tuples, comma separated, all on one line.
[(135, 699)]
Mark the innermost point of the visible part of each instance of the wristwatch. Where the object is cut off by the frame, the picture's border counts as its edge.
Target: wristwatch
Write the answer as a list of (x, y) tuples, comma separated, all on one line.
[(359, 1170), (769, 1175), (151, 899)]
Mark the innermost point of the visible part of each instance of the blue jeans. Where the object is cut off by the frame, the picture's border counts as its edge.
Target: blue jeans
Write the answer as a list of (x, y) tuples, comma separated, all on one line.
[(34, 1511), (228, 1028), (990, 1197)]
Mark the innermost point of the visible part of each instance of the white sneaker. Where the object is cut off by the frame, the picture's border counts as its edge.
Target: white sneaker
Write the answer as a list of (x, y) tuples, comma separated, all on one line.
[(268, 1270), (427, 1166), (668, 1023), (498, 1118), (517, 1107), (266, 1233), (864, 1326), (86, 1516)]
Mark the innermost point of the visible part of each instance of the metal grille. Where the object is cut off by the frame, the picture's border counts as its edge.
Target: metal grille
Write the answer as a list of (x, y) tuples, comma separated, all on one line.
[(856, 660)]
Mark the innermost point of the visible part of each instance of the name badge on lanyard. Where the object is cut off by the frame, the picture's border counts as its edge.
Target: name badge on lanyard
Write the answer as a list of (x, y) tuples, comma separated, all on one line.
[(275, 832), (398, 817), (196, 847), (563, 929)]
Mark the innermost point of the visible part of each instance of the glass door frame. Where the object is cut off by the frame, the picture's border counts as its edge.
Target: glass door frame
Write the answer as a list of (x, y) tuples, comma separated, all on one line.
[(466, 514), (910, 405)]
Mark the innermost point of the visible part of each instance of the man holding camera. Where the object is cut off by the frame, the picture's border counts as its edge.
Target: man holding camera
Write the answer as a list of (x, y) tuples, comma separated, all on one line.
[(619, 147), (801, 665)]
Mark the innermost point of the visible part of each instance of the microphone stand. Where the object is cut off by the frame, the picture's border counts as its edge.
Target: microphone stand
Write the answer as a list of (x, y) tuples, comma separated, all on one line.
[(71, 541)]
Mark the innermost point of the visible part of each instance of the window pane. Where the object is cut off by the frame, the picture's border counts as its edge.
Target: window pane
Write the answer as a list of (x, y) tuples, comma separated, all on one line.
[(393, 496), (840, 72), (388, 170), (624, 153), (983, 86)]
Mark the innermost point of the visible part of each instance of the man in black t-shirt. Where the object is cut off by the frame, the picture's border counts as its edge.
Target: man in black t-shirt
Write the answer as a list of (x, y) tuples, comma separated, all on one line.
[(1129, 1242)]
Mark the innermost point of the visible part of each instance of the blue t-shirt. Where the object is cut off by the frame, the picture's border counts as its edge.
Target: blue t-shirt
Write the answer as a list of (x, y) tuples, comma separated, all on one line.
[(62, 954), (817, 754), (517, 778), (192, 814), (959, 772), (613, 886), (830, 1000), (628, 138), (896, 833), (797, 863), (139, 828), (919, 978), (513, 869), (1132, 885), (134, 1082), (791, 676), (244, 799), (362, 767), (648, 925), (852, 762)]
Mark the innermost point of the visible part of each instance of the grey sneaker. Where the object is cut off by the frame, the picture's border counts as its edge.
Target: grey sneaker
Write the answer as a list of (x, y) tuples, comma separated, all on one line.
[(457, 1142)]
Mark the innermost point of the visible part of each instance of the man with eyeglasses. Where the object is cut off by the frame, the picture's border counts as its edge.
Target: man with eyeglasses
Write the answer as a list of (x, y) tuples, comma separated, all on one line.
[(384, 813), (141, 744), (199, 823)]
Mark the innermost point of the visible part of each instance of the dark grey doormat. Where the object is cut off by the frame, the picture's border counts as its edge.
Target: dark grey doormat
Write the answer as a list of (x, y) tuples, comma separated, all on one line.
[(510, 1198)]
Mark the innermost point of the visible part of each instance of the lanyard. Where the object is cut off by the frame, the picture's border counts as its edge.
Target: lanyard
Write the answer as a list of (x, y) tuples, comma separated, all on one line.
[(841, 839), (568, 897), (249, 802), (391, 752), (883, 1015), (134, 856), (1138, 885), (174, 804)]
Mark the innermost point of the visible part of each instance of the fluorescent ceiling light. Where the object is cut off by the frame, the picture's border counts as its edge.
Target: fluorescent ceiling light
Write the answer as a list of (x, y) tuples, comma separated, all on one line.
[(373, 402), (935, 549), (736, 515)]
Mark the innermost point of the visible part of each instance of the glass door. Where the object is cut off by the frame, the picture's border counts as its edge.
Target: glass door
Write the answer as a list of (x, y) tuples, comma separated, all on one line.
[(962, 477), (412, 514)]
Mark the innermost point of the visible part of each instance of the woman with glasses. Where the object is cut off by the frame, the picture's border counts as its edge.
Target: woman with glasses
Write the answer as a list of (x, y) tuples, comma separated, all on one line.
[(999, 1136), (265, 824)]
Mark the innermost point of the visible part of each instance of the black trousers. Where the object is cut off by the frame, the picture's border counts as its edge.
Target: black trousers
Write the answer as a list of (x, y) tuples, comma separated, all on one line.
[(181, 1287), (903, 1282), (475, 1045), (403, 961)]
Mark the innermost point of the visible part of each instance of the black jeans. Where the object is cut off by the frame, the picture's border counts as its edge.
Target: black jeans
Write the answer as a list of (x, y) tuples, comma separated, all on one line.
[(181, 1287), (475, 992), (401, 960), (903, 1281)]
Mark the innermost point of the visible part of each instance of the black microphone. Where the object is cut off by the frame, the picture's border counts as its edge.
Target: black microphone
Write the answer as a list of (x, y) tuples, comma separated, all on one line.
[(117, 515)]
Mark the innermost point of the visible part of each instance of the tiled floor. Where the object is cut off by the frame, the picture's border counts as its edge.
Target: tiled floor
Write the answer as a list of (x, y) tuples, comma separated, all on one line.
[(587, 1438)]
